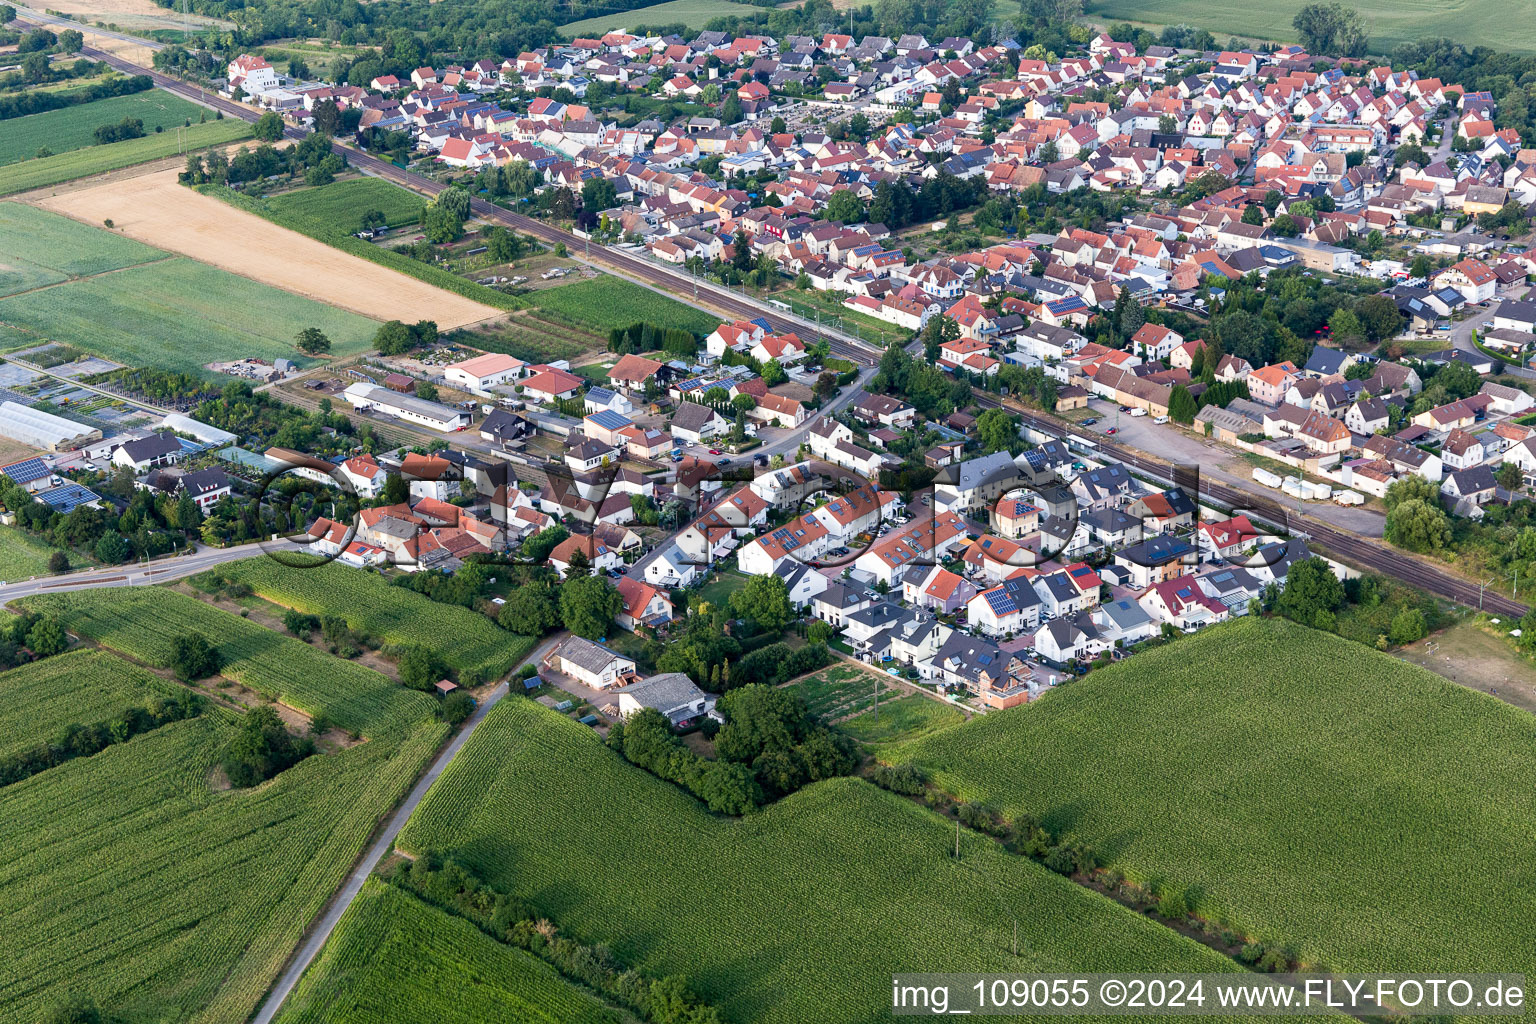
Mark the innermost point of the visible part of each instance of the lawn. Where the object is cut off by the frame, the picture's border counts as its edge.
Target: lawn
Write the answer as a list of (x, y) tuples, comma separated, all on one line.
[(1477, 22), (718, 592), (798, 913), (1300, 787), (71, 128), (695, 14), (340, 205), (79, 163), (605, 302), (394, 957), (468, 642), (174, 313), (81, 687), (129, 876), (143, 622)]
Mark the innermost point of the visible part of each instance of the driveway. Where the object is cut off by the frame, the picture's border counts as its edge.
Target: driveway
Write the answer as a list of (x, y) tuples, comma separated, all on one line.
[(322, 927)]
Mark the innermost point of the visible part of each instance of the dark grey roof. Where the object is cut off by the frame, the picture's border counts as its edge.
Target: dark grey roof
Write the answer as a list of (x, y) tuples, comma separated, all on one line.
[(152, 447), (665, 692)]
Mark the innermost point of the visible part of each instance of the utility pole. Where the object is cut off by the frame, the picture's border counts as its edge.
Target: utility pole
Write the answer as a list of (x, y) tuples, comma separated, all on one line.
[(1517, 581), (957, 839), (1480, 587)]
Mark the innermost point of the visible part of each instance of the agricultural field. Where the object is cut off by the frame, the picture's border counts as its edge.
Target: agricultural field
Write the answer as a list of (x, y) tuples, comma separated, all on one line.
[(1477, 22), (709, 897), (82, 687), (142, 622), (65, 248), (693, 13), (71, 128), (467, 642), (1302, 788), (130, 876), (605, 302), (340, 205), (902, 719), (839, 690), (394, 957), (89, 160), (21, 554), (174, 313), (237, 236)]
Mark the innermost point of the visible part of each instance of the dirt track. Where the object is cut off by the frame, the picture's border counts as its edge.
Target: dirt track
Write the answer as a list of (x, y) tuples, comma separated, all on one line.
[(154, 209)]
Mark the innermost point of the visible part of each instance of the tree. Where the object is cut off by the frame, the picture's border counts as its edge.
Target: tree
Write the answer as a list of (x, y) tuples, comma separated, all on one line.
[(1407, 626), (1381, 319), (393, 338), (70, 40), (1253, 215), (588, 605), (1272, 201), (312, 341), (1128, 313), (58, 561), (441, 225), (1418, 525), (530, 611), (419, 668), (1331, 28), (1345, 325), (262, 748), (268, 127), (1510, 477), (1182, 407), (939, 330), (47, 637), (1421, 267), (996, 430), (193, 657), (843, 206), (111, 549), (1285, 226), (327, 117), (765, 601), (741, 251), (538, 547), (396, 489), (1410, 488), (777, 125), (426, 391), (598, 193), (1310, 587)]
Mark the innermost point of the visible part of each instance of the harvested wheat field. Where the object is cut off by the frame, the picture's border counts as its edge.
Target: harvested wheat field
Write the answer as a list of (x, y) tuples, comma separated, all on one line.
[(153, 208)]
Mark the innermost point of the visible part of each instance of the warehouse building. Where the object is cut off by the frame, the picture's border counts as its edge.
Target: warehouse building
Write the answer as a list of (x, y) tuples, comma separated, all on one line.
[(43, 429), (406, 407)]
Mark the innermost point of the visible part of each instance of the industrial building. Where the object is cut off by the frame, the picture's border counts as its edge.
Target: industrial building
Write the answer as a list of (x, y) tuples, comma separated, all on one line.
[(406, 407), (43, 429)]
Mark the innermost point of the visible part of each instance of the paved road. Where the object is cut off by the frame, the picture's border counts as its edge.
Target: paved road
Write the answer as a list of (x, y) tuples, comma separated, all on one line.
[(320, 930), (138, 574)]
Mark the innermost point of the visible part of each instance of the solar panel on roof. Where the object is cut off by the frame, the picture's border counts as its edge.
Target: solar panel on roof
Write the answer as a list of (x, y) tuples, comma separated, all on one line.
[(26, 470)]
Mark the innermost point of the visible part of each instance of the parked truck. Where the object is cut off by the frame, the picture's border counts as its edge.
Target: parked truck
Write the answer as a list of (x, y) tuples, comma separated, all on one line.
[(1348, 498)]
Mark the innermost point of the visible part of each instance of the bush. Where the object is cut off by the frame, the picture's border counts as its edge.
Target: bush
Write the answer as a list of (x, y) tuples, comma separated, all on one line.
[(420, 669), (262, 748), (906, 779), (58, 562), (456, 707), (192, 657)]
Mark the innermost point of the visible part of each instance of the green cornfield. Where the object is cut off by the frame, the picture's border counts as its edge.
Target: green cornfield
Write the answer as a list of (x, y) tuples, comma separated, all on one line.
[(394, 958), (1304, 789), (82, 687), (132, 877), (466, 641), (605, 302), (799, 913), (143, 622), (340, 205), (71, 128)]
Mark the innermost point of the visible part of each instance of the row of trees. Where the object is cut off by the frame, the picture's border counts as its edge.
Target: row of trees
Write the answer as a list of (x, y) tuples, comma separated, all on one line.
[(76, 740)]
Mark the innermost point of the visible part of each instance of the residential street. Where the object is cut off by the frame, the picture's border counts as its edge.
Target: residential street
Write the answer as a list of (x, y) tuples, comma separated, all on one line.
[(322, 927)]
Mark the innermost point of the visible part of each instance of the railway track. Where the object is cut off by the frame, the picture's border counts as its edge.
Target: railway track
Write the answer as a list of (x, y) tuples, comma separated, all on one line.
[(1347, 546)]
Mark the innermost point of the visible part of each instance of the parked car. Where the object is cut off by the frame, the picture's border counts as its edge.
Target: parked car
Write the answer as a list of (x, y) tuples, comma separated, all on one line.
[(1161, 419), (1090, 421), (714, 451), (1112, 430), (722, 462)]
